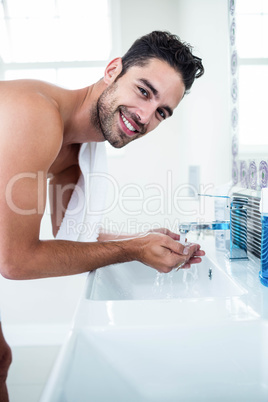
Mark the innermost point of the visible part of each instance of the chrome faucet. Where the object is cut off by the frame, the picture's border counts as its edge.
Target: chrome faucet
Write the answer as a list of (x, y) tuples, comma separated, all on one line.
[(236, 225)]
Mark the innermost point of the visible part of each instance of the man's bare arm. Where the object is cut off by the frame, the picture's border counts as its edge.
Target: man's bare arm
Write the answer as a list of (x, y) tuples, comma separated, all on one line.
[(59, 258)]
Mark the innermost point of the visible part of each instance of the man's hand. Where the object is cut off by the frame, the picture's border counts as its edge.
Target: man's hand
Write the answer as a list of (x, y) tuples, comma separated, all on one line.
[(164, 253), (159, 248)]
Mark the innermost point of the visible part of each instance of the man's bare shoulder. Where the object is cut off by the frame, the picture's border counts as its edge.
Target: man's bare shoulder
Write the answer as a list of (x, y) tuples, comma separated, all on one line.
[(30, 119), (28, 87), (22, 95)]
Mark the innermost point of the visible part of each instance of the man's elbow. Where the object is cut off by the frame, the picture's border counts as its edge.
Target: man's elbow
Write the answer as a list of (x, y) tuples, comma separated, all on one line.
[(9, 272), (12, 268)]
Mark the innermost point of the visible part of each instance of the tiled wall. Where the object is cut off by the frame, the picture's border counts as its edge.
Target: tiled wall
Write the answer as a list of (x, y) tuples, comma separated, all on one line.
[(245, 173)]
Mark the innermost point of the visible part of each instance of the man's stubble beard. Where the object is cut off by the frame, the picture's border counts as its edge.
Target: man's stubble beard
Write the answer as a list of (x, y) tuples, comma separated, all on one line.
[(103, 117)]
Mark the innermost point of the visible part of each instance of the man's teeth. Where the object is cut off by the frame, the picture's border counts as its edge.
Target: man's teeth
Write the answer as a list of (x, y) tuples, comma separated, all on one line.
[(127, 123)]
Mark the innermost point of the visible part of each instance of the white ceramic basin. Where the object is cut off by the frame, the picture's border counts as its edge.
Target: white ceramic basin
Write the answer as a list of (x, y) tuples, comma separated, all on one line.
[(221, 362), (136, 281), (189, 336)]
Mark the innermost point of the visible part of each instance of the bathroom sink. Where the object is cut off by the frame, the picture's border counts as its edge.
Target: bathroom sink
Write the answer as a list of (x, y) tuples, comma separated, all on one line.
[(136, 281), (191, 335), (220, 362)]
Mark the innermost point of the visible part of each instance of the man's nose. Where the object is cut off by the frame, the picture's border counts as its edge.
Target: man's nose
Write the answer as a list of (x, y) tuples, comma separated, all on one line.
[(144, 114)]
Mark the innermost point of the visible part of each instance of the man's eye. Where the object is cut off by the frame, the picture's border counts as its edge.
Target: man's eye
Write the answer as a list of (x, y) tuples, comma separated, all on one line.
[(162, 113), (143, 92)]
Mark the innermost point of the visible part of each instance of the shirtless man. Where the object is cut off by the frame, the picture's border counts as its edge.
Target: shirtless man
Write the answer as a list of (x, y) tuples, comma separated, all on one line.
[(42, 127)]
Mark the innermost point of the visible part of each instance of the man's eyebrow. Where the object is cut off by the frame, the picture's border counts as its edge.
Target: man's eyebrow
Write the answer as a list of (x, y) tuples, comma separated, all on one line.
[(144, 81), (147, 83)]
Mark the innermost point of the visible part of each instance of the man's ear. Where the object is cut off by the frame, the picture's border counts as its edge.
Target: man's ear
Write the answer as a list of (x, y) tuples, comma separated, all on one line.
[(113, 69)]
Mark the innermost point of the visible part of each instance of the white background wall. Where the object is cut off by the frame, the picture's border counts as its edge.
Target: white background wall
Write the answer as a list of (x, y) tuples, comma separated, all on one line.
[(198, 134)]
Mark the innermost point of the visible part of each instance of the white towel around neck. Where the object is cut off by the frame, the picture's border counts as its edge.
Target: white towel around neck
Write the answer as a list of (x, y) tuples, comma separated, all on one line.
[(85, 209)]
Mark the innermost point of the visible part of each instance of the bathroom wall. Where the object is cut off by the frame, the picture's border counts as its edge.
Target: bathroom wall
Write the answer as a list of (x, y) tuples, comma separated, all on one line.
[(155, 168)]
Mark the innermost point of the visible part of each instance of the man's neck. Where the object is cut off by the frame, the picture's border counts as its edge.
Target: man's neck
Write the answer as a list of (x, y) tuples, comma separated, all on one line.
[(78, 125)]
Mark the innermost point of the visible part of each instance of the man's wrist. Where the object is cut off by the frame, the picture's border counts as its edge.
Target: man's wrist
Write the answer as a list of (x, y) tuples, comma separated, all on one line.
[(132, 248)]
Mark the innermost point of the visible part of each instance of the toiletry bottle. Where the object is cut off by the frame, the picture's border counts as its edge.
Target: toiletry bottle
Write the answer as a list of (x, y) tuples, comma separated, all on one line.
[(264, 237)]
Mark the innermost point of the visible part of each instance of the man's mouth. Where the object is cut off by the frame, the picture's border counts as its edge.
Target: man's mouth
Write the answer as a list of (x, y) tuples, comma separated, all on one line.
[(128, 124)]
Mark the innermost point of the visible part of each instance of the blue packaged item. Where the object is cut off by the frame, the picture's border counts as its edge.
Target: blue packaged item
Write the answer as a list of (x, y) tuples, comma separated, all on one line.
[(264, 237)]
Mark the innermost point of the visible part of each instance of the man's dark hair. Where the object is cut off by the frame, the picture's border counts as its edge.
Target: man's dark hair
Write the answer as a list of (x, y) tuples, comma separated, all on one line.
[(164, 46)]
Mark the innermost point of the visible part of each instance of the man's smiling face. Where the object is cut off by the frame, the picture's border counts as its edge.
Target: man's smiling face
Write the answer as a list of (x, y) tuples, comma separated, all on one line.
[(138, 101)]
